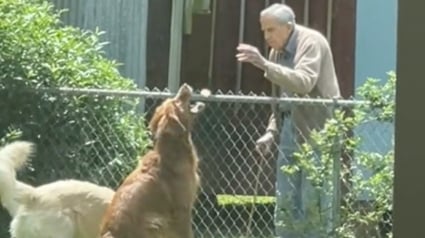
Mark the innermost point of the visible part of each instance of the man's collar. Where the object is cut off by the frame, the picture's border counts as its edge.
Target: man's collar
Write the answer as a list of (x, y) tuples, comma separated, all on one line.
[(291, 45)]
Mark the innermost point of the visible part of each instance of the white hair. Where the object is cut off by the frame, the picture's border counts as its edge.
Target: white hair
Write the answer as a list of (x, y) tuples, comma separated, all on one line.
[(282, 12)]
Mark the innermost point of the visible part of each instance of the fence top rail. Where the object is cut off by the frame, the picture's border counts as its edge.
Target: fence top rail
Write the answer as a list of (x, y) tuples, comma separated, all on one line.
[(218, 97)]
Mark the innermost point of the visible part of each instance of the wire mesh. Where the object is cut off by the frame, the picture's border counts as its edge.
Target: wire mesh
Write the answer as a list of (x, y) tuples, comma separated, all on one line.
[(97, 135)]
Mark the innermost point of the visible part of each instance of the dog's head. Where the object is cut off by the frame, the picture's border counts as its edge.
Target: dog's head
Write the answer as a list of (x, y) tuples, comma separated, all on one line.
[(175, 115)]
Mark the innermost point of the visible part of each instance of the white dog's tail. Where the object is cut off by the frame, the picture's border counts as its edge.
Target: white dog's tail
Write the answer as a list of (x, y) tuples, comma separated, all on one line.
[(13, 157), (16, 154)]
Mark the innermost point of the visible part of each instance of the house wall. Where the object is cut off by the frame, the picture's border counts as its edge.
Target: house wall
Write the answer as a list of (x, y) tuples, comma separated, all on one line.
[(124, 24), (375, 39)]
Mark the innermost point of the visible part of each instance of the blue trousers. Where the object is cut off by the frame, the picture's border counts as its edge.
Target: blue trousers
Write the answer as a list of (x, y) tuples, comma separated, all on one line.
[(301, 209)]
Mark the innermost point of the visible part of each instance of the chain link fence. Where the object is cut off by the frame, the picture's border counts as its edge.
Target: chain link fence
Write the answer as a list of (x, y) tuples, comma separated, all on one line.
[(97, 135)]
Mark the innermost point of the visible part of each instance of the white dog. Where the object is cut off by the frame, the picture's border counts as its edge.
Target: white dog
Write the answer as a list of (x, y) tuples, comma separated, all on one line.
[(62, 209)]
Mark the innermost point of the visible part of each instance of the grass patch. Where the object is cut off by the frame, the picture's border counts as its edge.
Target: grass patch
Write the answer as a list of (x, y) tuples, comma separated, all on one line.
[(224, 200), (230, 216)]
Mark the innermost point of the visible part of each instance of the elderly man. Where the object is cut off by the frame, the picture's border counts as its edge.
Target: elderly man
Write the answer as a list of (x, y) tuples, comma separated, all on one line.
[(300, 63)]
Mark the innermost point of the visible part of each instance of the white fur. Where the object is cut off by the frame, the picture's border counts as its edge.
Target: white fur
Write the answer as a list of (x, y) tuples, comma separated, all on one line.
[(62, 209)]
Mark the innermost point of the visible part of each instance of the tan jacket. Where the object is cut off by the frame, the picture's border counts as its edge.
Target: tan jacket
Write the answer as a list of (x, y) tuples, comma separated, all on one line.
[(304, 68)]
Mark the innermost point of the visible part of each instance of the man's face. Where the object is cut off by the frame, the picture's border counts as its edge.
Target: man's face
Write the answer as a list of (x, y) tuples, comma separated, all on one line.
[(275, 33)]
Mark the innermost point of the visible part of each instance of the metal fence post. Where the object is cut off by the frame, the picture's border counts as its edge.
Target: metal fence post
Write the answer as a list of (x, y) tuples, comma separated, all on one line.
[(176, 36)]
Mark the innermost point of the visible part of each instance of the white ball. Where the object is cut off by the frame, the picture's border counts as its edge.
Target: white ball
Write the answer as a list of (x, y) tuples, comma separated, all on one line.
[(205, 92)]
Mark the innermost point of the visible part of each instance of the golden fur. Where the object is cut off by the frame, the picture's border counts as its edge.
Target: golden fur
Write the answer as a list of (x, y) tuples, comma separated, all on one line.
[(156, 199), (62, 209)]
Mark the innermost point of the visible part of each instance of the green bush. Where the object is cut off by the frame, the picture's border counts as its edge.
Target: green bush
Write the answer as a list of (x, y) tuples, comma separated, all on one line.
[(338, 138), (84, 136)]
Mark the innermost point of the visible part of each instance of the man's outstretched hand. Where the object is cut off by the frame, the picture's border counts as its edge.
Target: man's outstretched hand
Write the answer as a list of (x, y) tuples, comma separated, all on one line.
[(250, 54)]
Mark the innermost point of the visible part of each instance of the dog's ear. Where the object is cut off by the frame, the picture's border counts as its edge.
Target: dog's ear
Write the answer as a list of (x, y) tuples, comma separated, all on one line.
[(180, 128), (153, 124), (168, 124)]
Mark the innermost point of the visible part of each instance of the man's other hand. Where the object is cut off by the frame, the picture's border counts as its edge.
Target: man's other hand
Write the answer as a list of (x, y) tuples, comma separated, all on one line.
[(264, 144)]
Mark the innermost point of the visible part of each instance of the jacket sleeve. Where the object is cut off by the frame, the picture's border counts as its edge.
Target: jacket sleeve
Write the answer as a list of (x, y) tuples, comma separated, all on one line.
[(303, 77)]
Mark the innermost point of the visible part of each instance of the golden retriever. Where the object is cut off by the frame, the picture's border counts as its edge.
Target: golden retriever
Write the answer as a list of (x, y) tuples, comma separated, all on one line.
[(62, 209), (157, 198)]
